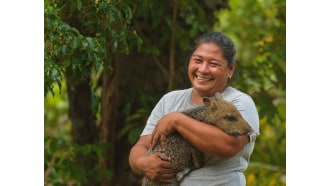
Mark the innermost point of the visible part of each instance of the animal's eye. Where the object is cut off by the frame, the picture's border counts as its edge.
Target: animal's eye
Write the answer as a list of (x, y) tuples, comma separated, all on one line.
[(230, 118)]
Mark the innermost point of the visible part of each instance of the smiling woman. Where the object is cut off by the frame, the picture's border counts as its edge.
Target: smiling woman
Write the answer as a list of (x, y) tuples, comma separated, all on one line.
[(208, 70), (211, 65)]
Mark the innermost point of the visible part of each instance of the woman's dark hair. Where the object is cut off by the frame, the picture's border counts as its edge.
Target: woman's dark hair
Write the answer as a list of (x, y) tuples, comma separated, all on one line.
[(226, 44)]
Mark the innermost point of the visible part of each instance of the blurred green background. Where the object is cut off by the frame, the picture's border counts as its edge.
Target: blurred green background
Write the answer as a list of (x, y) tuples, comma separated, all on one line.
[(107, 63)]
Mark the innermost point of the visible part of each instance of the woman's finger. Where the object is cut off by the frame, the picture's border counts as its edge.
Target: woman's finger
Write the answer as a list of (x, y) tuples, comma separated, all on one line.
[(163, 141), (154, 139), (163, 156), (167, 178)]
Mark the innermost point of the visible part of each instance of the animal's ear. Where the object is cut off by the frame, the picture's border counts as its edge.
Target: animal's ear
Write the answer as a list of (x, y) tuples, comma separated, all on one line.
[(218, 96)]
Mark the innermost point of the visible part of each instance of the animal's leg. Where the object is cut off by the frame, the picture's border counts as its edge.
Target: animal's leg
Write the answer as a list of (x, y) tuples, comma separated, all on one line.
[(197, 160), (183, 173)]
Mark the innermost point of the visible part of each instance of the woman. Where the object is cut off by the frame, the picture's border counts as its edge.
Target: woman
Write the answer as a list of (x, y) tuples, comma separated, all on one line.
[(211, 66)]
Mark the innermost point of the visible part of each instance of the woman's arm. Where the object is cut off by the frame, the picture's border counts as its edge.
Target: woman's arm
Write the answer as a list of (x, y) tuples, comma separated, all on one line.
[(207, 138), (155, 166)]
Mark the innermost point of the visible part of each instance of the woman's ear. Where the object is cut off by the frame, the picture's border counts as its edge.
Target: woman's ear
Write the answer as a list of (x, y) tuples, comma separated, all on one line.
[(231, 70)]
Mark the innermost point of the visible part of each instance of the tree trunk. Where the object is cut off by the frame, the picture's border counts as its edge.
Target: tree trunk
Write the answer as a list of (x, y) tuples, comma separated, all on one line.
[(109, 113), (84, 129)]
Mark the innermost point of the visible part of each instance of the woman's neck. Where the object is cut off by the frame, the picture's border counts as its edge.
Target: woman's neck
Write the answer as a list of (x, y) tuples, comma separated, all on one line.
[(197, 97)]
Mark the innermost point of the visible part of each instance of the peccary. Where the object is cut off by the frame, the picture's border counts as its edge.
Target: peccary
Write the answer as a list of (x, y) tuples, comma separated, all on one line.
[(183, 156)]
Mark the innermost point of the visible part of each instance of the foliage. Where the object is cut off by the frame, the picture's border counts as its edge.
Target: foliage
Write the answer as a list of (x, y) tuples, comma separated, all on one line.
[(61, 168), (60, 165), (133, 119), (261, 73), (79, 35), (265, 174), (66, 47), (82, 36), (55, 113)]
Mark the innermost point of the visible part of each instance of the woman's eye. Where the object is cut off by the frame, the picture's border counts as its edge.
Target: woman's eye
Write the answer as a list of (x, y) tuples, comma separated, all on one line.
[(198, 60), (214, 64)]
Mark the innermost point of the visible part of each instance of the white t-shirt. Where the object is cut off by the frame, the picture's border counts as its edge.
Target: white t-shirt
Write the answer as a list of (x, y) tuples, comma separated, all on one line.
[(216, 171)]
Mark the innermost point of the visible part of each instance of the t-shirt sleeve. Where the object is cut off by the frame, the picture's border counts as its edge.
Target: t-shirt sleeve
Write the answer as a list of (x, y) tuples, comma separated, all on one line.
[(248, 110), (170, 102), (156, 114)]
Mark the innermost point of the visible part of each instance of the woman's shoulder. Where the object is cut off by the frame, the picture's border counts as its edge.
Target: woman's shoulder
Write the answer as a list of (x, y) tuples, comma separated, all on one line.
[(234, 95), (233, 92), (178, 93)]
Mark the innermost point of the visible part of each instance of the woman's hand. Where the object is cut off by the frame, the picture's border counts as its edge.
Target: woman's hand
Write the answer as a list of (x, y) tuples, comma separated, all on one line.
[(157, 168), (164, 127)]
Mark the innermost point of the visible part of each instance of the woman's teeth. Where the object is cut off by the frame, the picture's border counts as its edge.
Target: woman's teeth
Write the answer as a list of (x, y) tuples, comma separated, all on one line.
[(202, 78)]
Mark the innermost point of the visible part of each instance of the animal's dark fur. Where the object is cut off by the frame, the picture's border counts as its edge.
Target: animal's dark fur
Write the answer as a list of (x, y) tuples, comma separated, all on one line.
[(183, 156)]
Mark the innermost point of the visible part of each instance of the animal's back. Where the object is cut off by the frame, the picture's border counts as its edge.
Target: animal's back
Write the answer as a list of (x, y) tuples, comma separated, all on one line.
[(177, 150)]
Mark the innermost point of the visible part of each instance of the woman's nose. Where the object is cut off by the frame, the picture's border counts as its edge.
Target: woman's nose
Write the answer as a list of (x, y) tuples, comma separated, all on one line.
[(203, 67)]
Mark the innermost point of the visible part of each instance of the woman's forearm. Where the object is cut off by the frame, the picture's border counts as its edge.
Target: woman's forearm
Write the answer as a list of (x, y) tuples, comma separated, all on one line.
[(137, 151), (207, 138)]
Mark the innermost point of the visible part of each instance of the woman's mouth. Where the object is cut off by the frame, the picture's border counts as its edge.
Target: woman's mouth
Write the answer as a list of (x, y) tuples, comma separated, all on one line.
[(203, 79)]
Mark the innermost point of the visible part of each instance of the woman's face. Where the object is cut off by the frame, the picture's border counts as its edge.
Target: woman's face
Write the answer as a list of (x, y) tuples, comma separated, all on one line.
[(208, 70)]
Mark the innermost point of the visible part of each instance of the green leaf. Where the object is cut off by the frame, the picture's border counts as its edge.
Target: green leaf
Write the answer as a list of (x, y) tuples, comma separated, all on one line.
[(79, 4)]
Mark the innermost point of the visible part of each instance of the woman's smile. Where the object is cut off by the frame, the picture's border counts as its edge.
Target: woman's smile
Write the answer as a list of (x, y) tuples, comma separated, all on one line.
[(203, 79), (208, 70)]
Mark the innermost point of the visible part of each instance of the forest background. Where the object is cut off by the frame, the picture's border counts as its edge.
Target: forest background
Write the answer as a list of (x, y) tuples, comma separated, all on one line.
[(107, 63)]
